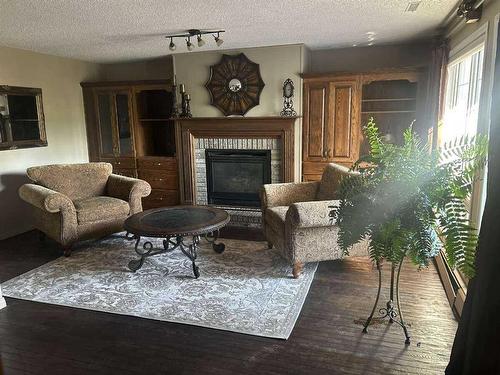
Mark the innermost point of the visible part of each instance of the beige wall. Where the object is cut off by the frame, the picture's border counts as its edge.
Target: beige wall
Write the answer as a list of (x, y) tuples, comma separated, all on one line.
[(359, 59), (161, 68), (276, 64), (59, 80)]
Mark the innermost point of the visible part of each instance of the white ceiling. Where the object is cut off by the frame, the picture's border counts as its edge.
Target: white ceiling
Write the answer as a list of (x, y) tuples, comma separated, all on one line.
[(121, 30)]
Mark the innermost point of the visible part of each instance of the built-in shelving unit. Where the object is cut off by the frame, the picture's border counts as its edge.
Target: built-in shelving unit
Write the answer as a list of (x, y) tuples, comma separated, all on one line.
[(338, 105), (392, 104), (129, 126)]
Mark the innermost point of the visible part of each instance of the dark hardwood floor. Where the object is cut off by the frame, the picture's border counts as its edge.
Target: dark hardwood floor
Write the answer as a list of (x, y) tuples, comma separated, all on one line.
[(38, 338)]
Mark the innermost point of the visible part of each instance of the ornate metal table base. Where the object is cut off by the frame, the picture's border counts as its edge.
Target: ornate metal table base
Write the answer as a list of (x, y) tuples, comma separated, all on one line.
[(172, 243), (389, 310)]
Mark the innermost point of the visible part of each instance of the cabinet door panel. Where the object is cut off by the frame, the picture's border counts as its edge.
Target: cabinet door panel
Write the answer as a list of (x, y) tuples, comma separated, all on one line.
[(105, 123), (124, 124), (342, 121), (315, 122), (343, 131)]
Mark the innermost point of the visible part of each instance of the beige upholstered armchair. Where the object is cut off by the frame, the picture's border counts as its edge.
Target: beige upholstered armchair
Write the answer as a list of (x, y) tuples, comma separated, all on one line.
[(72, 202), (295, 219)]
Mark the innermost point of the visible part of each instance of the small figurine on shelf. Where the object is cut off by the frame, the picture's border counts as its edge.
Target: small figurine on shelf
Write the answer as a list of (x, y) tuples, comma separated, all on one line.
[(288, 90), (175, 110)]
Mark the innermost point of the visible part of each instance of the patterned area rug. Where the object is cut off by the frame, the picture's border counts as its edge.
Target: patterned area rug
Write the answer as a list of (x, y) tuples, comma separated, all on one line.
[(246, 289)]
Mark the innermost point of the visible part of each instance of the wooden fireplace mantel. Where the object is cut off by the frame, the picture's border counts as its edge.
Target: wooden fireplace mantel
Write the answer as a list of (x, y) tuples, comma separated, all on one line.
[(187, 130)]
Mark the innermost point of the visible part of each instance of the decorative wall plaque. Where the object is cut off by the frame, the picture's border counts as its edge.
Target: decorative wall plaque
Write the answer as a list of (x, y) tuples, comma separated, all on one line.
[(235, 84)]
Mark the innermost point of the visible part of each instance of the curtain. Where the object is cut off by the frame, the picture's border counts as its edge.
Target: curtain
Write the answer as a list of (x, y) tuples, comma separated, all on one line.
[(476, 349), (434, 104)]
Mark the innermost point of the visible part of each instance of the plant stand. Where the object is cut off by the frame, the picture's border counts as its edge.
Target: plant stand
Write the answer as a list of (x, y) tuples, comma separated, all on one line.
[(390, 310)]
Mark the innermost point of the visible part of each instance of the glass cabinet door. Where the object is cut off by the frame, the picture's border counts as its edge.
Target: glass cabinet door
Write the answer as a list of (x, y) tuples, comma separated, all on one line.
[(115, 123), (105, 118), (123, 123)]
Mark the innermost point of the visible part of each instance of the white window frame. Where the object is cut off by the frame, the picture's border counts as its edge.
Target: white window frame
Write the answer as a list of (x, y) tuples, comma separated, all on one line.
[(469, 45)]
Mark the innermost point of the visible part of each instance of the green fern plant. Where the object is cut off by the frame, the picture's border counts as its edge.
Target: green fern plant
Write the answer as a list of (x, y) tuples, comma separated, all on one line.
[(406, 195)]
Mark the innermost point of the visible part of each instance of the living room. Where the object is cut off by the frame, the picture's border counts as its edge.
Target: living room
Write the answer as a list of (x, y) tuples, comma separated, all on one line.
[(228, 187)]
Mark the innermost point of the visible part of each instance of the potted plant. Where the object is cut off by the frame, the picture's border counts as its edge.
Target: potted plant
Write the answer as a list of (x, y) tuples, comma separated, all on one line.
[(410, 201)]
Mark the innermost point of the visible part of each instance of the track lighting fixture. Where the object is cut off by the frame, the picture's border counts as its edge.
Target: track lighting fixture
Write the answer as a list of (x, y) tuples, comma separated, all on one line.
[(192, 33), (171, 46), (218, 40)]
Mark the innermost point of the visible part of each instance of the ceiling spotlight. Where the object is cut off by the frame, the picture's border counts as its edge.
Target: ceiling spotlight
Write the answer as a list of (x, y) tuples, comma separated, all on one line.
[(218, 40), (171, 46), (189, 45), (201, 42)]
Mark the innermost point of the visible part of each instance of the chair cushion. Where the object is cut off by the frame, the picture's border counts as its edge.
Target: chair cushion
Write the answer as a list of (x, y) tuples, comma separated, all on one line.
[(76, 181), (330, 181), (275, 217), (100, 208)]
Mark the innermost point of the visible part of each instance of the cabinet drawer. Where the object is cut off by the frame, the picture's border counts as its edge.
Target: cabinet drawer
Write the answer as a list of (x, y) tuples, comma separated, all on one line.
[(160, 198), (158, 179), (169, 164), (120, 163)]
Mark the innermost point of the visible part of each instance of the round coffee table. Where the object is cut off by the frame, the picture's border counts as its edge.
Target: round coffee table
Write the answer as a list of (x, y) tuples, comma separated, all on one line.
[(174, 224)]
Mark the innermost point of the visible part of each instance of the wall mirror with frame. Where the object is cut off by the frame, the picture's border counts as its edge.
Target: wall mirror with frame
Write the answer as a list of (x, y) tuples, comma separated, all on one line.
[(22, 123)]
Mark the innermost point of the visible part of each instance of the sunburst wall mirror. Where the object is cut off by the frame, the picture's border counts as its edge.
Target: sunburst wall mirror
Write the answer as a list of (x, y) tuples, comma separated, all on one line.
[(235, 84)]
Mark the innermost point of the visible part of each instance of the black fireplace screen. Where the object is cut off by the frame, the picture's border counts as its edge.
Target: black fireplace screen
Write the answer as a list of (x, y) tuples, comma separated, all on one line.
[(234, 177)]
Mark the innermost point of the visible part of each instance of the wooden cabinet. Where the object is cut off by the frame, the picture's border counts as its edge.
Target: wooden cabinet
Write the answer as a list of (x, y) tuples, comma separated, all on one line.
[(337, 106), (331, 121), (129, 126)]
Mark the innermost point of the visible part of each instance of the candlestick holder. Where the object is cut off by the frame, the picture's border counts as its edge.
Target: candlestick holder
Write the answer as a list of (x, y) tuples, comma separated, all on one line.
[(186, 107)]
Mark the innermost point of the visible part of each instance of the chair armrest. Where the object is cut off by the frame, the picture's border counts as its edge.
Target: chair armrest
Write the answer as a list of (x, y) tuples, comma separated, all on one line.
[(128, 189), (273, 195), (310, 214), (45, 199)]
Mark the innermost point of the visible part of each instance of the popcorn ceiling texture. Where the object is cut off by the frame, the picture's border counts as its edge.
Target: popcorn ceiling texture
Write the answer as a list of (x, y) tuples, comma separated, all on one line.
[(121, 30)]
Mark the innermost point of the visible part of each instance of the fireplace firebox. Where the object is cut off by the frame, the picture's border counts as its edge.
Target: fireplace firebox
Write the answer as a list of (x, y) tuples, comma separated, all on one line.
[(234, 177)]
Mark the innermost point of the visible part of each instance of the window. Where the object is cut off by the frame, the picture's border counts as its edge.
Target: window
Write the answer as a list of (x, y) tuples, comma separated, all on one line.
[(21, 118), (463, 91), (460, 118)]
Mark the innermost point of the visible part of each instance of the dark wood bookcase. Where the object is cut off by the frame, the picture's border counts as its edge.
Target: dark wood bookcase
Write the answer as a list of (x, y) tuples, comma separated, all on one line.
[(129, 125)]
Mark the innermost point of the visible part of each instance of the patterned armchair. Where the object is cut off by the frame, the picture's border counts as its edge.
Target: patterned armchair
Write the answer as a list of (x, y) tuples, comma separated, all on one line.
[(295, 219), (72, 202)]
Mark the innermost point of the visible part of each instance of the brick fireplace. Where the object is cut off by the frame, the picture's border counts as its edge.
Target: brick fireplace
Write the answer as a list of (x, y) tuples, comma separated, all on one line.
[(245, 138)]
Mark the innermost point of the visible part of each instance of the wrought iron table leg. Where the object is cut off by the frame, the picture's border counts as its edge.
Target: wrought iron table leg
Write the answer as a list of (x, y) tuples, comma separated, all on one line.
[(190, 252), (136, 264), (368, 321), (212, 238)]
